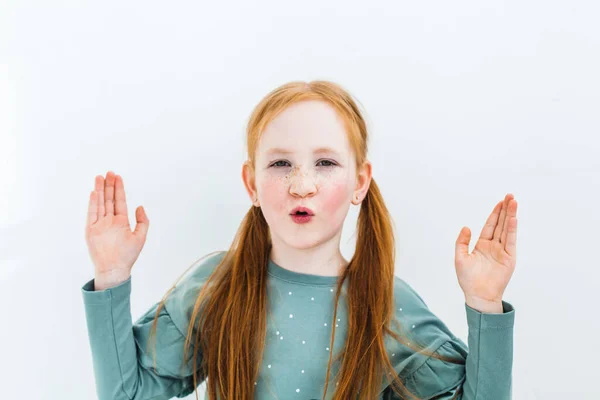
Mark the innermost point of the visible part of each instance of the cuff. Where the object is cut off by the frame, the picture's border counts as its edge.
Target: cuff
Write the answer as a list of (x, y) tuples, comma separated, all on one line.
[(118, 292), (478, 320)]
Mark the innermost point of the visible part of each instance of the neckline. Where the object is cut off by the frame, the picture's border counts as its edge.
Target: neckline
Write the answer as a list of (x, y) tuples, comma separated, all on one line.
[(299, 277)]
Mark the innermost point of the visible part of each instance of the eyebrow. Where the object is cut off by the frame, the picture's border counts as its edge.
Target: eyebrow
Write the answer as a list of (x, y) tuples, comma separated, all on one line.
[(319, 150)]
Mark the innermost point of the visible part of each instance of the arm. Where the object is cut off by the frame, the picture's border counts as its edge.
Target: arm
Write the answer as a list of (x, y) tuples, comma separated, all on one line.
[(487, 373), (123, 366)]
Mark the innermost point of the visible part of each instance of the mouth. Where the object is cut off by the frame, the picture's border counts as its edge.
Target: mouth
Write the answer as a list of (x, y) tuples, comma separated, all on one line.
[(302, 211)]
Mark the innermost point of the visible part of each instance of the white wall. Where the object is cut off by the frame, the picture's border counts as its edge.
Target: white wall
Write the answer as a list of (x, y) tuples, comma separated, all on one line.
[(466, 101)]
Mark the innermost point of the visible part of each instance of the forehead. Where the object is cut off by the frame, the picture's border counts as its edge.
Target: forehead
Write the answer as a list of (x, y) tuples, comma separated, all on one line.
[(305, 126)]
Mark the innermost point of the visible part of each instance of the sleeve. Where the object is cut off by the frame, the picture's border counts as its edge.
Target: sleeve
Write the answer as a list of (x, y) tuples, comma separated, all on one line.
[(123, 365), (487, 372)]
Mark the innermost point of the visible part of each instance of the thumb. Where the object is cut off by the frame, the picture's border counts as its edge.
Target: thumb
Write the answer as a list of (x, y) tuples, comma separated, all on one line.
[(462, 243), (142, 222)]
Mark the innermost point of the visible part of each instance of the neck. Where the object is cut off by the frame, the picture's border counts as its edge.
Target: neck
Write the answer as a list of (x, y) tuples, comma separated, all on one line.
[(324, 259)]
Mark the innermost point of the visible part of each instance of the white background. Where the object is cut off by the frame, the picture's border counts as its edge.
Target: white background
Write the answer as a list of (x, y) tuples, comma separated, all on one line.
[(465, 100)]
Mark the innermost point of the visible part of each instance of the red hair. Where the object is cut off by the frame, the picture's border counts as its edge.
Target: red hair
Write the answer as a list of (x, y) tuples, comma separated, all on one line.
[(235, 294)]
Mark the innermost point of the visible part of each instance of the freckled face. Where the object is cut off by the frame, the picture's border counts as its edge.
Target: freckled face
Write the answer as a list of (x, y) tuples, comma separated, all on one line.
[(292, 169)]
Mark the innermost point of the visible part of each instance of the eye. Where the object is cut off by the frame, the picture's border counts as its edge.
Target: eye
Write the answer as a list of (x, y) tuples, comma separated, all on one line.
[(275, 163), (331, 163)]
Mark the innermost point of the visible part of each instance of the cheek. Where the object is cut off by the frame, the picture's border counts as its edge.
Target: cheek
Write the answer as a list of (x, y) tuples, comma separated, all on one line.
[(335, 197), (273, 193)]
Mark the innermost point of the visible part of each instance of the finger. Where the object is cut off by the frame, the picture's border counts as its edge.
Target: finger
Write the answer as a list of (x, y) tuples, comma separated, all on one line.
[(120, 200), (487, 232), (92, 216), (100, 191), (109, 199), (511, 238), (511, 214), (461, 249), (502, 218), (142, 222)]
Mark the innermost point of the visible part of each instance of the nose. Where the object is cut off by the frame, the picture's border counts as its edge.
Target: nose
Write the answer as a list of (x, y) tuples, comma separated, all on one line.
[(302, 183)]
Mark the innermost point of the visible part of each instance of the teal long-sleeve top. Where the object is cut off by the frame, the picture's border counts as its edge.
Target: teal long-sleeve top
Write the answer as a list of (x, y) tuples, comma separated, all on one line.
[(297, 345)]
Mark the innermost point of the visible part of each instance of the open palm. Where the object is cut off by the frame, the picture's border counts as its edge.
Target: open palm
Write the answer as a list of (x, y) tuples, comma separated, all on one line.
[(485, 273)]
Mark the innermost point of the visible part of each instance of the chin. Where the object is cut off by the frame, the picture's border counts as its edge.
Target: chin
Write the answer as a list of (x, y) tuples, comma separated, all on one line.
[(306, 240), (299, 240)]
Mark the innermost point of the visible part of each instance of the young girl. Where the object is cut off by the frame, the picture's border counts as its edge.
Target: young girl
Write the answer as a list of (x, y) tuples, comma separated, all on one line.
[(282, 314)]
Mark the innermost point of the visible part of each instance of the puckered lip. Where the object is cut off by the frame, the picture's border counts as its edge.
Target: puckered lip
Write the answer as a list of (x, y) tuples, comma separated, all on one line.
[(306, 209)]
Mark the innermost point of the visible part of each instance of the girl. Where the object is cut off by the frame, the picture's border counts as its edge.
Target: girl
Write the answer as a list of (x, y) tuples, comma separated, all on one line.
[(281, 313)]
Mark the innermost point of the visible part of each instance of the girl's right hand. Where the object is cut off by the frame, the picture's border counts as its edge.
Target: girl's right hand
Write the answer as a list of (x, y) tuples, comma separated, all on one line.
[(112, 245)]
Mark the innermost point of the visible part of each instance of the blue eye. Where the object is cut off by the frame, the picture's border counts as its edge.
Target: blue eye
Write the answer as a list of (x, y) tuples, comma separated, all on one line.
[(331, 163), (280, 161)]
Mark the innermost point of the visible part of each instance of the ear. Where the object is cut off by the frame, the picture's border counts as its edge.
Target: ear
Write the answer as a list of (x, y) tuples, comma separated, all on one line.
[(365, 173), (250, 183)]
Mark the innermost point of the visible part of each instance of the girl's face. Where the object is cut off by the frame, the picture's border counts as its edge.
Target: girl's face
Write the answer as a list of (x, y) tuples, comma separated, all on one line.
[(304, 159)]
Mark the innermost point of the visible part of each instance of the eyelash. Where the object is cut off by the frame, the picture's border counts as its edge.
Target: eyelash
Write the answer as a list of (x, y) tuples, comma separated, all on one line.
[(333, 164)]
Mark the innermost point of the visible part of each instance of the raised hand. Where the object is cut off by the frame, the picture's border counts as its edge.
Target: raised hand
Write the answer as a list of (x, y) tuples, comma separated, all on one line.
[(484, 274), (112, 245)]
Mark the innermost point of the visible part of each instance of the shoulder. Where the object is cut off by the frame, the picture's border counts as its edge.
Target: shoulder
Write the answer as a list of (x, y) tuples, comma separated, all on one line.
[(412, 311), (423, 328), (173, 320), (180, 301)]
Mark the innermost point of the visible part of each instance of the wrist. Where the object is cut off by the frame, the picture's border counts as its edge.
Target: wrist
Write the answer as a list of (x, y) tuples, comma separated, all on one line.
[(107, 282), (484, 306)]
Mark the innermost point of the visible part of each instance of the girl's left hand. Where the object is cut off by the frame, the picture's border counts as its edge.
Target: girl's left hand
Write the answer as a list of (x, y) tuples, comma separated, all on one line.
[(484, 274)]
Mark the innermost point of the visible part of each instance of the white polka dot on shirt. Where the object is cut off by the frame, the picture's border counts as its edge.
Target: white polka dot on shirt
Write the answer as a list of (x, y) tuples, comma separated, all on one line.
[(291, 316), (325, 324), (290, 293), (413, 326), (297, 390), (312, 298), (269, 366)]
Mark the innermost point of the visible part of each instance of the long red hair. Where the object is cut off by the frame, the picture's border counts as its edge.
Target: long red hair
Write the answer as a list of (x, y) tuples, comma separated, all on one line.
[(230, 329)]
